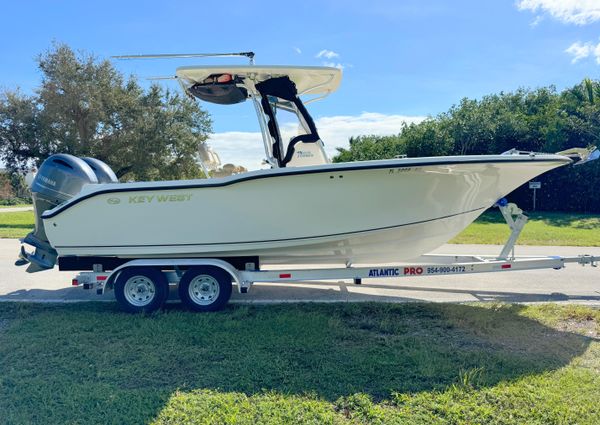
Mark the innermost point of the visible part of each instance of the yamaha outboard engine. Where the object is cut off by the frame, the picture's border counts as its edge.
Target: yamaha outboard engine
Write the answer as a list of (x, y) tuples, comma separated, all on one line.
[(103, 172), (60, 178)]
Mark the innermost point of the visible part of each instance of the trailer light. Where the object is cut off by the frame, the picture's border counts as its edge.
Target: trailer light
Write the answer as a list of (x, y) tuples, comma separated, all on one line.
[(285, 275), (506, 266), (101, 277), (74, 282)]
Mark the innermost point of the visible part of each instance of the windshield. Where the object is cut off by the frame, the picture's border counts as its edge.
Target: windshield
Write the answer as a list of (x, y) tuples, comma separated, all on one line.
[(290, 121), (279, 94)]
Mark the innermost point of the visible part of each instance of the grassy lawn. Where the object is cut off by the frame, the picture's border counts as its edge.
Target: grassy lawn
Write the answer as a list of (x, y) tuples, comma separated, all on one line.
[(542, 229), (300, 363), (15, 224)]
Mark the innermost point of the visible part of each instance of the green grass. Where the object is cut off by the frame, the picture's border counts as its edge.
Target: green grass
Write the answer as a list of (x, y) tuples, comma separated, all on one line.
[(16, 224), (300, 363), (541, 229), (490, 228)]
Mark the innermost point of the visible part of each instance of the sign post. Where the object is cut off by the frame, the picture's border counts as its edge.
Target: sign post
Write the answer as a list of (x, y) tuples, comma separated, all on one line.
[(535, 186)]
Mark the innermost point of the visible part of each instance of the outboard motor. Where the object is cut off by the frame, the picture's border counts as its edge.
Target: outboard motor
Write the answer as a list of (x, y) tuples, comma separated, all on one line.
[(103, 172), (60, 178)]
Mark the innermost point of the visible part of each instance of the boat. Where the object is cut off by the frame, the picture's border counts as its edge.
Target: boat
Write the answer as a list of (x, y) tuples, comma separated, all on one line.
[(303, 209)]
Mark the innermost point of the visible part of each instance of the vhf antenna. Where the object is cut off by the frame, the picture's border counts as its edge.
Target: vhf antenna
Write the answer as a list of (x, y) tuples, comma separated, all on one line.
[(249, 55)]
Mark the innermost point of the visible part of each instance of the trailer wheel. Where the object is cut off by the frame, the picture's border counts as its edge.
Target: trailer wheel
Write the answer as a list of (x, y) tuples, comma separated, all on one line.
[(141, 289), (205, 288)]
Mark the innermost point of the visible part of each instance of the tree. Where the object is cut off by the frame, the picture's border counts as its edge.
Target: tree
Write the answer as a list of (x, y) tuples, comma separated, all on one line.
[(529, 120), (85, 107), (364, 148), (431, 137), (581, 109)]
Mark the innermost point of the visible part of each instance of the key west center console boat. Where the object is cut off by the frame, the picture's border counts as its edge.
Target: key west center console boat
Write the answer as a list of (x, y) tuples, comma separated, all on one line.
[(304, 209)]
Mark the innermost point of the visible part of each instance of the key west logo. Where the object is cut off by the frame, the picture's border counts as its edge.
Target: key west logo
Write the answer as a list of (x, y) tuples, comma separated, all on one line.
[(149, 199)]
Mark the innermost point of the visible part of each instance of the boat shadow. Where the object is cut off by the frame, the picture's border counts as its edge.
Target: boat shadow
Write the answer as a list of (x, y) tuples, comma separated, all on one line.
[(66, 294), (325, 351), (334, 350), (323, 292), (344, 291)]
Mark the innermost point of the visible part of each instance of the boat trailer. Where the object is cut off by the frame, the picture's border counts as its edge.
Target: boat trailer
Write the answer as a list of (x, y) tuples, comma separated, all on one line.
[(205, 283)]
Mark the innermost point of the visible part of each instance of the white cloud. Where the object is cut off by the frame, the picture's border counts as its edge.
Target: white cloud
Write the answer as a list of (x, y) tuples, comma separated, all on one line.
[(327, 54), (580, 51), (297, 50), (335, 131), (246, 148), (578, 12), (333, 65), (239, 148), (536, 21)]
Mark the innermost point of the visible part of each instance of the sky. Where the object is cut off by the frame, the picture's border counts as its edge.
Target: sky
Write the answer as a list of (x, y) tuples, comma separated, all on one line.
[(401, 60)]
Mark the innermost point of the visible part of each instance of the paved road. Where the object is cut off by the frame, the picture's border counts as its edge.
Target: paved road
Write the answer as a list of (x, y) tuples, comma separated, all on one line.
[(574, 284)]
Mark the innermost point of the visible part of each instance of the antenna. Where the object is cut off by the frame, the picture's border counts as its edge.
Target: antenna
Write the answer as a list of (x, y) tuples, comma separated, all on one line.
[(249, 55), (161, 77)]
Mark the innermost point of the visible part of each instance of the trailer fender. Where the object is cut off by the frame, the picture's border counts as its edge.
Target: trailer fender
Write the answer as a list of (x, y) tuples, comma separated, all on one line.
[(165, 262)]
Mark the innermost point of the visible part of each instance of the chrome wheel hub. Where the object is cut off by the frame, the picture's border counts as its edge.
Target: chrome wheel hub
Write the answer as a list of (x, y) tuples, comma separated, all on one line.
[(204, 289), (139, 291)]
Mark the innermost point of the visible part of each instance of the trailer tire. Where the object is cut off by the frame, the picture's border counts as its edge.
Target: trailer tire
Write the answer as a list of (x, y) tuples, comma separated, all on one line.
[(205, 288), (141, 289)]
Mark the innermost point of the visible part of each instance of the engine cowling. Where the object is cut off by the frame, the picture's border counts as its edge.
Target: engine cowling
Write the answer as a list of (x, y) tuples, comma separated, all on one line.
[(60, 178)]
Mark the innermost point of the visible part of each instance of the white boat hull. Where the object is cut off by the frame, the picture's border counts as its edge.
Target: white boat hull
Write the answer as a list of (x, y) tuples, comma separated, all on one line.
[(377, 211)]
